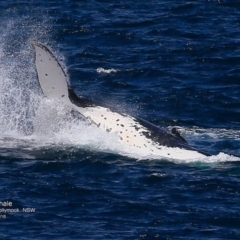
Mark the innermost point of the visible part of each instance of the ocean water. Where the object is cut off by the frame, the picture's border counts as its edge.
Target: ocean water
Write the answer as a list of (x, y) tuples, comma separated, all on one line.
[(173, 63)]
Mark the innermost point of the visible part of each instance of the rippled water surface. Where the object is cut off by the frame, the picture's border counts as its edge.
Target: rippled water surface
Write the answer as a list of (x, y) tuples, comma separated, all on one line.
[(173, 63)]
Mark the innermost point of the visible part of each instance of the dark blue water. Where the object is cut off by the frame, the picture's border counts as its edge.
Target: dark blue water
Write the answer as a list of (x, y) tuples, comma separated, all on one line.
[(173, 63)]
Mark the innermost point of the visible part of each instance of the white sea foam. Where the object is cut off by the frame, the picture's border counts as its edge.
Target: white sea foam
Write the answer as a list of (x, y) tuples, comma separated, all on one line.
[(102, 70)]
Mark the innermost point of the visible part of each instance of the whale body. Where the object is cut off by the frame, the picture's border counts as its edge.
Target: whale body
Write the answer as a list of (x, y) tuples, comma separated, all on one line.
[(134, 131)]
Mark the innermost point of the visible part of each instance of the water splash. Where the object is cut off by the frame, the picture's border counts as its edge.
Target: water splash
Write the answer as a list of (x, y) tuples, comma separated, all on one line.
[(18, 83)]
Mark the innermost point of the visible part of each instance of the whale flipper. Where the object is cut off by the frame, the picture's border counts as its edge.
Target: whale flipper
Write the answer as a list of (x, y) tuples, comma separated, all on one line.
[(51, 76)]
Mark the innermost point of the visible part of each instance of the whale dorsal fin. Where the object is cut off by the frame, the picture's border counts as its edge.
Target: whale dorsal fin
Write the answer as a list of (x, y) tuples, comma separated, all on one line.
[(51, 76), (176, 133)]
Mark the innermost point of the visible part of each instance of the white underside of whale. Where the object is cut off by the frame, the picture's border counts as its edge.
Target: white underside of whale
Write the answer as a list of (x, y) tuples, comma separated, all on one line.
[(125, 127)]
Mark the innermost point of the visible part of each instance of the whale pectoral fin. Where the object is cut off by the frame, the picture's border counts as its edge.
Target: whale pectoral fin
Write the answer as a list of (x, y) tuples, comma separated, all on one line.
[(51, 76), (53, 80), (176, 133)]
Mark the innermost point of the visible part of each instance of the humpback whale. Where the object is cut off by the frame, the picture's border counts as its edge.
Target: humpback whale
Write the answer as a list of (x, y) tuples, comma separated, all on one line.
[(134, 131)]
